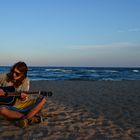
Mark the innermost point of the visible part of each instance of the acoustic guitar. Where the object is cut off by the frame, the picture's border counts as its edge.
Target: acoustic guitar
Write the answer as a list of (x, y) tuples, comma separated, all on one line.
[(11, 95)]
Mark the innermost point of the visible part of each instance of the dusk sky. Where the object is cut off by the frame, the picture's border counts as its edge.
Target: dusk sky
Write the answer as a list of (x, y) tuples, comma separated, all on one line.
[(98, 33)]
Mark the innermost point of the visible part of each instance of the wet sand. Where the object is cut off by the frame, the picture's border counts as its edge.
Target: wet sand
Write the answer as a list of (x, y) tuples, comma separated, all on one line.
[(83, 110)]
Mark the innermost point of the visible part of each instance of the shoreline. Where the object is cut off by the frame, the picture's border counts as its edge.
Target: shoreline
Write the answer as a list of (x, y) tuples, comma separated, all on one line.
[(103, 110)]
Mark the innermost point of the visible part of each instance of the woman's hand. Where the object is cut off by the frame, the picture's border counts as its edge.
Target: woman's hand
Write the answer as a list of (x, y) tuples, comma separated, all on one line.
[(2, 93), (23, 96)]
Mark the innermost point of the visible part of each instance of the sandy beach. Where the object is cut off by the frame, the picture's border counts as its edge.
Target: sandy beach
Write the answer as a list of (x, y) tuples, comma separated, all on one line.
[(83, 110)]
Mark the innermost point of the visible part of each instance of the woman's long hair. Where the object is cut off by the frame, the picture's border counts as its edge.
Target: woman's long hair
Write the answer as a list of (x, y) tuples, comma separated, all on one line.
[(22, 67)]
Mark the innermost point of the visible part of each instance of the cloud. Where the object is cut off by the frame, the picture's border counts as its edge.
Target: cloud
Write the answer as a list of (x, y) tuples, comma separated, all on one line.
[(104, 47), (134, 30), (130, 30)]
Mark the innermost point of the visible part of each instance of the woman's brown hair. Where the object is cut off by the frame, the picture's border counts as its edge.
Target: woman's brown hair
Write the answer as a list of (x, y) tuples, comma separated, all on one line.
[(22, 67)]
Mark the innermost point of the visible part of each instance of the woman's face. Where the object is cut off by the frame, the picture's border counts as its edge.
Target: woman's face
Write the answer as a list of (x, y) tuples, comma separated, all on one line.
[(17, 74)]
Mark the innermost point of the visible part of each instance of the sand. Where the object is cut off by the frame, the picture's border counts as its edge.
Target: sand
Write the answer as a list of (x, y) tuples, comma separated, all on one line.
[(83, 110)]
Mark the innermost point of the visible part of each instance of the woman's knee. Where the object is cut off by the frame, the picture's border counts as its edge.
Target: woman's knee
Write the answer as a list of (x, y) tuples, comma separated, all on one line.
[(3, 109)]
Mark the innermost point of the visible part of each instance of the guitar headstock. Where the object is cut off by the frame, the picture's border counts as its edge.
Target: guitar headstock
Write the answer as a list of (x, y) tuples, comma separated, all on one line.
[(46, 93)]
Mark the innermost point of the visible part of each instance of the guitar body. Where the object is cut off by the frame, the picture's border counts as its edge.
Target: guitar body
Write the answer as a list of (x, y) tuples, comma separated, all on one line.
[(7, 100)]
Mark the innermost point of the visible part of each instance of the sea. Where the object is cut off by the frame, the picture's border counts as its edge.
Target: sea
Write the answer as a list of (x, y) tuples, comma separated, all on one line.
[(80, 73)]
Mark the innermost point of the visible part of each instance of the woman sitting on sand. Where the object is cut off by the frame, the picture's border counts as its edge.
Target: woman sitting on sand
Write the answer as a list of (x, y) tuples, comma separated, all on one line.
[(17, 77)]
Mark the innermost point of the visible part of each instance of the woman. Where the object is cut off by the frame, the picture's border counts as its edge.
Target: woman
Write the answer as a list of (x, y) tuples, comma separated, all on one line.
[(17, 77)]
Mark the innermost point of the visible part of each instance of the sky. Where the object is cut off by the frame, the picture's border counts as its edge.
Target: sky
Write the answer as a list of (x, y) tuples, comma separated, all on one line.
[(90, 33)]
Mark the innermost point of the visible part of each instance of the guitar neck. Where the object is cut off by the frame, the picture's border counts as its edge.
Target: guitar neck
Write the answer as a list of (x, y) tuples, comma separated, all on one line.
[(19, 93)]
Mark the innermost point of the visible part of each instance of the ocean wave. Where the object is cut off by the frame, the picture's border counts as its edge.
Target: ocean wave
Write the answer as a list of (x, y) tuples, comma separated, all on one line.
[(80, 73), (58, 70), (111, 71), (135, 70)]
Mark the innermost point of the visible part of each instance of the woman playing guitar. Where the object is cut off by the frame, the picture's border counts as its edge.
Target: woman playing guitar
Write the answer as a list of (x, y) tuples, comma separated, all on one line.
[(17, 78)]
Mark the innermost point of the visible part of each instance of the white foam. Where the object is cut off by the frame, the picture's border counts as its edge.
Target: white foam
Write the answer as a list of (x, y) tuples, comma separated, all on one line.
[(135, 70)]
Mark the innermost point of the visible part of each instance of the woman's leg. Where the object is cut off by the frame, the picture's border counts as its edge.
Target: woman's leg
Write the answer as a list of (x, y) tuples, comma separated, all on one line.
[(10, 114), (36, 109)]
